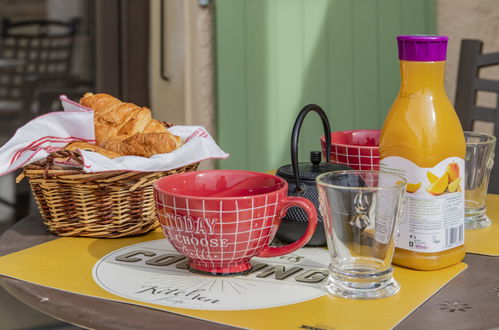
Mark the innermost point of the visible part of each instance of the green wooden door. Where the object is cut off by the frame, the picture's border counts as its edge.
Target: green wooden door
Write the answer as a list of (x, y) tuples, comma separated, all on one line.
[(275, 56)]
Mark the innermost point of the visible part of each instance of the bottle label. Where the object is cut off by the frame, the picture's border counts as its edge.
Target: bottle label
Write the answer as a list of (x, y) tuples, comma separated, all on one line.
[(432, 217)]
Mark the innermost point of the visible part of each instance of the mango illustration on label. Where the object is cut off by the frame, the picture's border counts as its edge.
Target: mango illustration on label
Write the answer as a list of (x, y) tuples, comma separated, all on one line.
[(431, 177), (453, 170), (413, 187), (455, 186), (450, 181), (439, 186)]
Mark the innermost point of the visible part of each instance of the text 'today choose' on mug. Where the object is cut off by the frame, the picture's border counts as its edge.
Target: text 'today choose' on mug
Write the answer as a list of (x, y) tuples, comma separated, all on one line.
[(220, 219)]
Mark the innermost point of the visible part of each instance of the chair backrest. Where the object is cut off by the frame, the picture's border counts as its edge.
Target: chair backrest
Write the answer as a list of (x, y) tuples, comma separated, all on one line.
[(469, 83), (44, 47)]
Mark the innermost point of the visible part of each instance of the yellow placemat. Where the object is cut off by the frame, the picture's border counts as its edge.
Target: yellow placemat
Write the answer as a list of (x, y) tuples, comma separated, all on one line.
[(58, 263), (485, 241)]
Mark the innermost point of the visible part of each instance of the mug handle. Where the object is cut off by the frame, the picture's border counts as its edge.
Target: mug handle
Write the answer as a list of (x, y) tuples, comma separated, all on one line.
[(309, 208)]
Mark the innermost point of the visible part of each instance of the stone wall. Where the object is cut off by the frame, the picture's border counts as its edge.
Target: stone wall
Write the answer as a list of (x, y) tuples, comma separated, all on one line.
[(465, 19)]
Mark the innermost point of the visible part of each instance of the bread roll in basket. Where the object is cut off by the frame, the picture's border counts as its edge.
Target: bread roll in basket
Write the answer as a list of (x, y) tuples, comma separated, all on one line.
[(104, 204)]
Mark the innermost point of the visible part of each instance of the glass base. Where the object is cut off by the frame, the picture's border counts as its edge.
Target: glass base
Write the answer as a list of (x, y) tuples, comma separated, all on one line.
[(476, 221), (366, 286)]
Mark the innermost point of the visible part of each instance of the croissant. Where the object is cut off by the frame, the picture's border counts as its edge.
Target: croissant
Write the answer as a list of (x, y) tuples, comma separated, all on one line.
[(142, 144), (91, 147), (128, 129)]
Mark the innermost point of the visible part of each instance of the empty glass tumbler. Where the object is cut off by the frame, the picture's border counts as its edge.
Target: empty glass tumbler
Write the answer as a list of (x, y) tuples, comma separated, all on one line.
[(360, 211), (478, 164)]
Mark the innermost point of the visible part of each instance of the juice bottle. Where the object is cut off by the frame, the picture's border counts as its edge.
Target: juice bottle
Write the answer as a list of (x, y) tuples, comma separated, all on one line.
[(422, 140)]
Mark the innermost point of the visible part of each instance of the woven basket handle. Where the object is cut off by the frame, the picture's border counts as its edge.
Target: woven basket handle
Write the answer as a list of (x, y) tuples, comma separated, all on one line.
[(47, 163)]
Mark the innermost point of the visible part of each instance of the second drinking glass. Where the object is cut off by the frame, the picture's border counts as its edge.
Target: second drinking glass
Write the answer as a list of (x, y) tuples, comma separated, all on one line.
[(480, 149), (360, 211)]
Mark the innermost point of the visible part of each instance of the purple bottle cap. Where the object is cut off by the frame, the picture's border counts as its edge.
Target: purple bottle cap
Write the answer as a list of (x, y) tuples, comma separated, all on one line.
[(422, 48)]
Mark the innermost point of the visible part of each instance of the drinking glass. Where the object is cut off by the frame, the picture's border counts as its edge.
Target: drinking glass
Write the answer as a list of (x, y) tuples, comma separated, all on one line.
[(360, 211), (478, 164)]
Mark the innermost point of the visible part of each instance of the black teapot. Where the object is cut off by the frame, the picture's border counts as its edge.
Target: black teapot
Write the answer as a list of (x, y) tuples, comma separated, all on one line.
[(301, 181)]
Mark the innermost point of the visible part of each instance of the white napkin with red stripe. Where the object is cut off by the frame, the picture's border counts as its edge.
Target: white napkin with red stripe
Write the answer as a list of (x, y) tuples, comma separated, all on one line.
[(50, 132)]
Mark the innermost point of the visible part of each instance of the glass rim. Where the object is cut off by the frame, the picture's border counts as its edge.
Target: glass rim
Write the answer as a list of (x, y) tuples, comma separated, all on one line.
[(491, 138), (398, 184)]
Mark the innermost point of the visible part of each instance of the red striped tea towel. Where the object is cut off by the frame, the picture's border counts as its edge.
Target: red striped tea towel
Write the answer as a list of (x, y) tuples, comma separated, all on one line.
[(50, 132)]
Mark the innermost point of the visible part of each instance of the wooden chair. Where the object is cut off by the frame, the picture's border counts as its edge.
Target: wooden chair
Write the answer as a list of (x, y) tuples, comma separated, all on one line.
[(37, 55), (469, 83)]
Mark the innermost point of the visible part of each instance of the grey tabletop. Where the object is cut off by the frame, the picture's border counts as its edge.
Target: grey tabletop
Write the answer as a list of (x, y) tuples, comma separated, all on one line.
[(470, 301)]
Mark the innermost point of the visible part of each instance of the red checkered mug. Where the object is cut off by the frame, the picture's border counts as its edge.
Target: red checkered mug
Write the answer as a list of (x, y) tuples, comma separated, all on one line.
[(220, 219)]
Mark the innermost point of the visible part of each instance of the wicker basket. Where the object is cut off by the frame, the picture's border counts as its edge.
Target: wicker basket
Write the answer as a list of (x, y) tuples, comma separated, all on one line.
[(105, 204)]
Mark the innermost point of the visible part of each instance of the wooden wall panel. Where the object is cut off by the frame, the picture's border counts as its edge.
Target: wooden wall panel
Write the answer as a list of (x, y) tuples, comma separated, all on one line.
[(340, 43), (365, 63), (275, 56), (231, 81)]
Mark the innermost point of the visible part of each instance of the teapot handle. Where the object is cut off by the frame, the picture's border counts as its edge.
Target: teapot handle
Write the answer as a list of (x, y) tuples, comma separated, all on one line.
[(296, 132)]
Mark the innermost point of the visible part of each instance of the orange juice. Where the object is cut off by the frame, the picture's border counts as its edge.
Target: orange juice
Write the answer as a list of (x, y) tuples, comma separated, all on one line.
[(422, 140)]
